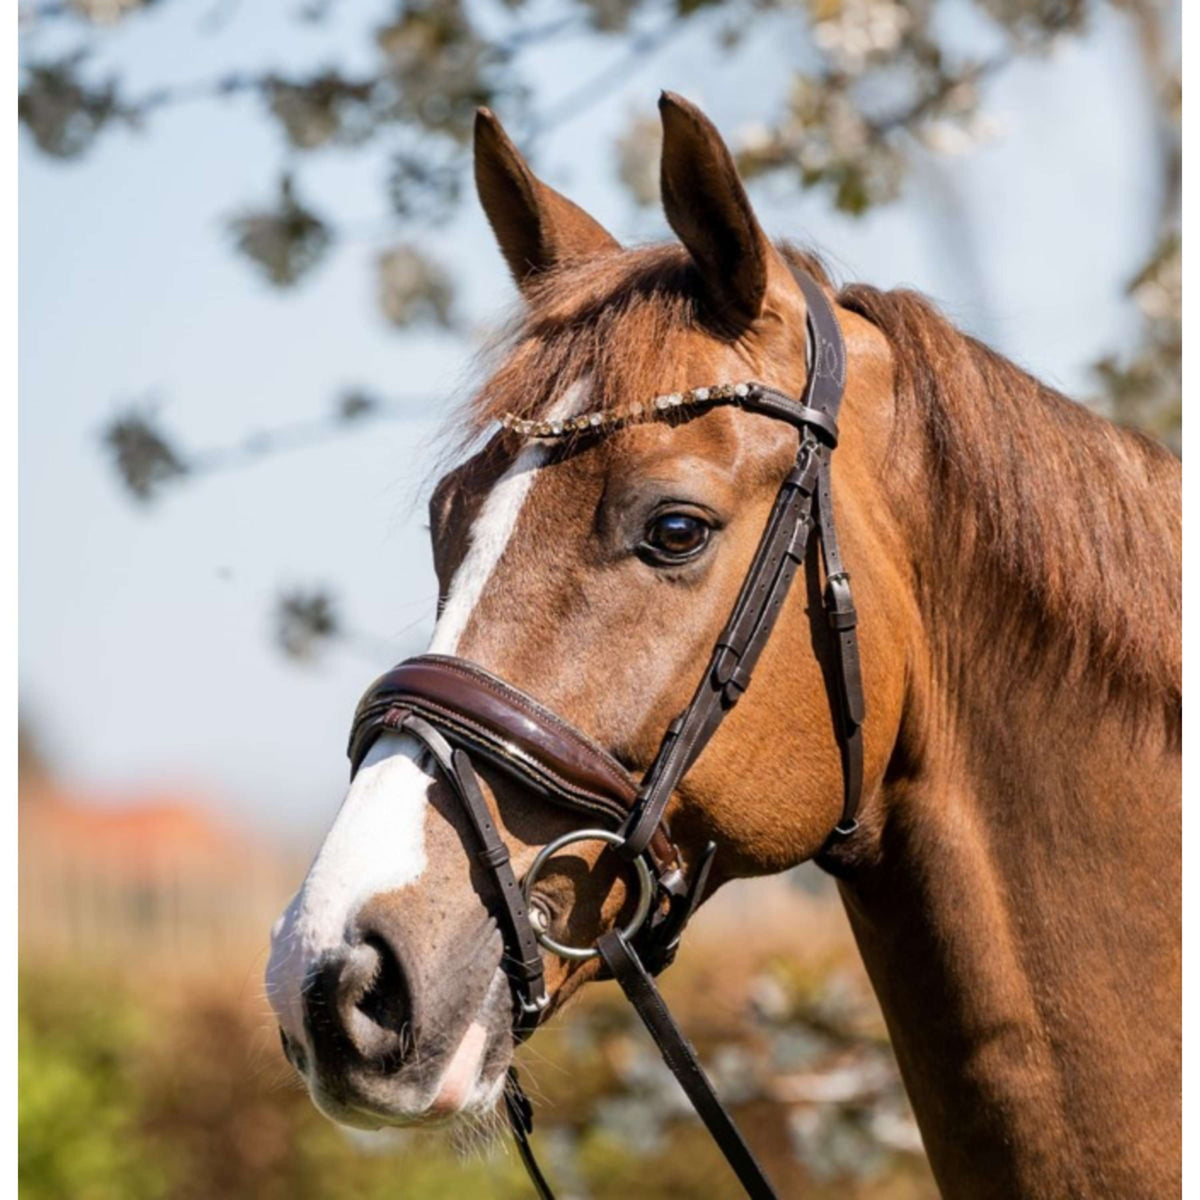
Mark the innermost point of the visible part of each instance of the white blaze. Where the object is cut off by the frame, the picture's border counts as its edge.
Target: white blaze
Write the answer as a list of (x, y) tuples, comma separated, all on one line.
[(377, 842), (493, 528)]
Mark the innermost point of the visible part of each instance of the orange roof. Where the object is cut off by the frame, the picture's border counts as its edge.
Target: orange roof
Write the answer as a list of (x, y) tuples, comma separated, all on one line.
[(140, 829)]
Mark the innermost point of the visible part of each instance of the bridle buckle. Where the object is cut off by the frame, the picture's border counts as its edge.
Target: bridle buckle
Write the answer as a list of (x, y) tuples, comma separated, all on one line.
[(534, 1006)]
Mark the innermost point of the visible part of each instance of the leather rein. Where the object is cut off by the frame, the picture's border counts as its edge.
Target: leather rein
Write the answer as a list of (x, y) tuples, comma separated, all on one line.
[(458, 712)]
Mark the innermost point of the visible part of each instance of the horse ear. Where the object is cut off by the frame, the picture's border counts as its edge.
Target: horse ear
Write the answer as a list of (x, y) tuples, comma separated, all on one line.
[(536, 227), (708, 208)]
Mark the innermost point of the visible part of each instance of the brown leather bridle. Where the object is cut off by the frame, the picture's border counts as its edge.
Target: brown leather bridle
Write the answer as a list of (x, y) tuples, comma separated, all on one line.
[(459, 711)]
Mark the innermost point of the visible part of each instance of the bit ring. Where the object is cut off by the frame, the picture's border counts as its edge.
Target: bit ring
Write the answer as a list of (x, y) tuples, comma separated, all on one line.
[(645, 884)]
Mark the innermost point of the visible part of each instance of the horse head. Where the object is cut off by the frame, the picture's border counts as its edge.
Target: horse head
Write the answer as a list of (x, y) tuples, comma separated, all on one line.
[(595, 575)]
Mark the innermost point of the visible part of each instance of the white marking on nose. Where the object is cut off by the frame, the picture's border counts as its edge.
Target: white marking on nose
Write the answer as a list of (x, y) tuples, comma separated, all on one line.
[(376, 844), (493, 527)]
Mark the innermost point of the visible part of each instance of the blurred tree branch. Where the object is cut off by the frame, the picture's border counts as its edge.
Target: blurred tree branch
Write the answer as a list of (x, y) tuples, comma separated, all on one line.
[(308, 622), (143, 457), (146, 458), (602, 84), (882, 84), (1145, 389), (285, 241)]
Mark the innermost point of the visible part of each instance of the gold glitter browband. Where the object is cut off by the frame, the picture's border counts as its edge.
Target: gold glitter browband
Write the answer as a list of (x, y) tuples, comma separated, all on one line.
[(630, 413)]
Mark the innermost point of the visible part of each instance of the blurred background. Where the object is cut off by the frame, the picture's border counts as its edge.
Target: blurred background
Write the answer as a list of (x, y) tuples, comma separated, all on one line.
[(253, 281)]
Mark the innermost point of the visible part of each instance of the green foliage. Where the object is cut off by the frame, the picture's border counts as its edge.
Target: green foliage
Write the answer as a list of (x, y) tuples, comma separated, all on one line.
[(425, 186), (413, 288), (140, 1091), (78, 1129), (124, 1098), (1146, 391), (321, 110)]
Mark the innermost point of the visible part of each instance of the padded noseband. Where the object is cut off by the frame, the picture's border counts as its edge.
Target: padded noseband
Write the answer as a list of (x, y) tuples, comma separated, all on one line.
[(509, 729)]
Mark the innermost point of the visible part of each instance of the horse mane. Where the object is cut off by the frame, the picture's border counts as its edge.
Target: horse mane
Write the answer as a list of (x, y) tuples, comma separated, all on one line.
[(1059, 529)]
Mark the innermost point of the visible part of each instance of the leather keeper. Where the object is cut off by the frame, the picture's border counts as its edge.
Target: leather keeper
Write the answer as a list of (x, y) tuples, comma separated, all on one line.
[(839, 603)]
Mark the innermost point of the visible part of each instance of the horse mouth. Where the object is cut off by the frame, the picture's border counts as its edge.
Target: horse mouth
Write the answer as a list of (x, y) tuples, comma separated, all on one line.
[(460, 1079), (363, 1108)]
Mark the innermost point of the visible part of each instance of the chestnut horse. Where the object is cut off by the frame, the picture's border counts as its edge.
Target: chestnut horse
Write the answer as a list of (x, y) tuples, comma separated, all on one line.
[(1014, 880)]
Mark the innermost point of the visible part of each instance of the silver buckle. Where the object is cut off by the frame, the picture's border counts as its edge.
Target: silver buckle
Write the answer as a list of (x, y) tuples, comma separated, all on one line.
[(534, 1006)]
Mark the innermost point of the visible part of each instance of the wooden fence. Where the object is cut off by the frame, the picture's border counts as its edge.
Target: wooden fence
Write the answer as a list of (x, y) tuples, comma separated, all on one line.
[(170, 895)]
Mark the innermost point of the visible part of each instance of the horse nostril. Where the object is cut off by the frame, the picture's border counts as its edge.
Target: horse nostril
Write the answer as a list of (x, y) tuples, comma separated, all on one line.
[(385, 1002), (358, 1009)]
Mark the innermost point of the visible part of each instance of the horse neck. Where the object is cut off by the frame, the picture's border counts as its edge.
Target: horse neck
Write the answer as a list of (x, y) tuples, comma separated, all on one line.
[(1018, 908)]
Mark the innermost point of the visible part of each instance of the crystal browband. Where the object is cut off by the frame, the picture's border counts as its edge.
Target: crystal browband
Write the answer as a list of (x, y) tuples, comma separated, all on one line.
[(629, 414)]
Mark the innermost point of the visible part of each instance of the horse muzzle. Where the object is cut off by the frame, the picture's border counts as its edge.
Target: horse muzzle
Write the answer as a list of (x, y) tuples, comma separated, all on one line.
[(390, 1038)]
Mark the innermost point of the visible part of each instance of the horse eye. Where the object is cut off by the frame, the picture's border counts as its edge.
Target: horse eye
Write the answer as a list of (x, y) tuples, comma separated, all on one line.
[(675, 536)]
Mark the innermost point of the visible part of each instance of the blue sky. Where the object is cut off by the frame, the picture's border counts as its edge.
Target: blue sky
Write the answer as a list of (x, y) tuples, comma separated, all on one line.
[(146, 658)]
